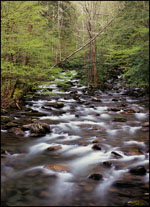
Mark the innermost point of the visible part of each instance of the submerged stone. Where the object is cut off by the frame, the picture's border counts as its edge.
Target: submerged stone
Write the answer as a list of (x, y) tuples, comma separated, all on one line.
[(139, 170), (146, 124), (17, 131), (53, 148), (135, 203), (10, 125), (95, 141), (96, 147), (120, 119), (107, 164), (96, 176), (55, 104), (34, 114), (57, 167), (114, 109), (116, 154), (5, 119)]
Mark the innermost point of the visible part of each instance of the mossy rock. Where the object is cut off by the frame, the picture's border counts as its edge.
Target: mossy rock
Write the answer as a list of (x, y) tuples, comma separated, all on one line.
[(10, 125), (136, 203), (120, 119), (18, 93), (5, 119), (3, 111), (34, 114)]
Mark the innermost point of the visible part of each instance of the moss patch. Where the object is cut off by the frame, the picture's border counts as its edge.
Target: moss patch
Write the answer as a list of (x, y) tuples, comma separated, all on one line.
[(136, 203)]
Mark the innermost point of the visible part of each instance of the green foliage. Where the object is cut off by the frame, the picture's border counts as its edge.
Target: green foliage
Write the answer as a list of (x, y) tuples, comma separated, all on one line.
[(125, 44), (30, 41)]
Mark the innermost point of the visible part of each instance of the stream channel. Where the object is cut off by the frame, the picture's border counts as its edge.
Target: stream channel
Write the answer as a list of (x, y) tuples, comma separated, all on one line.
[(96, 152)]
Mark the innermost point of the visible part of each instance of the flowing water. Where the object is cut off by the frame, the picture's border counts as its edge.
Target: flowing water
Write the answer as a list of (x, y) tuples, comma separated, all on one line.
[(75, 128)]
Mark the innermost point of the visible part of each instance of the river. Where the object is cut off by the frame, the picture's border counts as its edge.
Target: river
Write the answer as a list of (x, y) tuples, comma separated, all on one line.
[(96, 153)]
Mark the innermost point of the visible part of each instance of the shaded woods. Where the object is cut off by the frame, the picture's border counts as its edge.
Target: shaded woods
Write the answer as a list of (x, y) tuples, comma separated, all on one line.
[(37, 35)]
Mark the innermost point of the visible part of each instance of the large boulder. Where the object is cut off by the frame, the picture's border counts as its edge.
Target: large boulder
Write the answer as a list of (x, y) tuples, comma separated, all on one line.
[(37, 128)]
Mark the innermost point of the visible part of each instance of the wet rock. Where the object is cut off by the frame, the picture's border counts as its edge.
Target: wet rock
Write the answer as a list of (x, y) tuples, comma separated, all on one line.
[(146, 124), (36, 135), (95, 127), (38, 127), (108, 86), (145, 129), (55, 104), (96, 99), (34, 114), (87, 103), (114, 109), (107, 164), (120, 119), (135, 109), (57, 167), (123, 104), (132, 110), (96, 147), (53, 148), (136, 203), (3, 155), (114, 99), (139, 170), (48, 121), (96, 176), (10, 125), (95, 141), (44, 194), (3, 111), (88, 188), (5, 119), (16, 131), (34, 173), (116, 154), (76, 97), (126, 112), (124, 184), (84, 143)]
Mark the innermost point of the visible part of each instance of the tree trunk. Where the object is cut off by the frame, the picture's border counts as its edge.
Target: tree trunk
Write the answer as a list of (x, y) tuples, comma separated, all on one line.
[(24, 59), (88, 42)]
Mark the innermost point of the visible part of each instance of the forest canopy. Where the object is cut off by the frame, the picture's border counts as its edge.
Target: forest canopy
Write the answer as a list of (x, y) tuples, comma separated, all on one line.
[(39, 34)]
